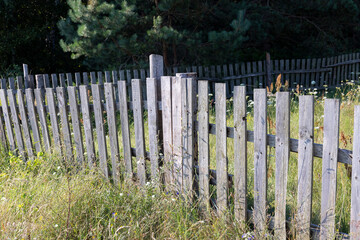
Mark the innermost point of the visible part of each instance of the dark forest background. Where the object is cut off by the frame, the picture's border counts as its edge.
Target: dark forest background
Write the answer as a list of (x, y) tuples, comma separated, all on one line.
[(75, 35)]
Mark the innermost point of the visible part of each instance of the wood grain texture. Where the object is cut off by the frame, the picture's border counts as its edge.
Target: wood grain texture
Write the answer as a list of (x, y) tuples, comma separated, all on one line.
[(222, 187), (240, 154), (305, 166), (33, 119), (100, 131), (167, 128), (43, 118), (355, 179), (153, 125), (329, 168), (260, 164), (125, 128), (53, 119), (65, 128), (8, 124), (75, 120), (113, 132), (16, 123), (88, 130), (24, 124), (139, 130), (177, 129), (204, 154), (282, 154)]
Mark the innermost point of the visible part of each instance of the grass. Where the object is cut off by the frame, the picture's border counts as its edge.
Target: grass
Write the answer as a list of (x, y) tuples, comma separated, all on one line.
[(46, 198)]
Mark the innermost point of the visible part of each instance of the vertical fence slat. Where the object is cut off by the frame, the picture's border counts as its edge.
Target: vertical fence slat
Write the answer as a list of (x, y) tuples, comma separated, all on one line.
[(188, 96), (16, 123), (282, 153), (240, 154), (65, 129), (88, 131), (153, 125), (204, 154), (125, 128), (33, 119), (8, 124), (113, 133), (167, 127), (355, 179), (329, 168), (139, 129), (222, 187), (42, 117), (177, 98), (74, 111), (100, 131), (260, 166), (24, 123), (305, 166), (53, 118)]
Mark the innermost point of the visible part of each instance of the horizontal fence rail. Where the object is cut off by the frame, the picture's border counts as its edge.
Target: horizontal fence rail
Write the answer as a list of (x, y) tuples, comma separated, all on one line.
[(82, 123)]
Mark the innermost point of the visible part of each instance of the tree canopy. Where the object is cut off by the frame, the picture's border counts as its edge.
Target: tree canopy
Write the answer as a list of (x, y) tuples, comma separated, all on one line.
[(54, 35)]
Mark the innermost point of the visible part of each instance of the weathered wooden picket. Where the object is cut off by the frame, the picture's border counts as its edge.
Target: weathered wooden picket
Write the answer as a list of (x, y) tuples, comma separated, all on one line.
[(305, 73), (179, 146)]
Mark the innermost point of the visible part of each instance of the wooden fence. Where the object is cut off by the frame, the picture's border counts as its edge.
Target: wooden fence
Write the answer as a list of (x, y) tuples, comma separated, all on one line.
[(307, 73), (178, 137)]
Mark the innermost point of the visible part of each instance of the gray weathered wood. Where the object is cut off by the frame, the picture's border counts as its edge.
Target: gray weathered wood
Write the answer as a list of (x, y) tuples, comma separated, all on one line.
[(43, 118), (20, 83), (54, 80), (329, 168), (125, 128), (65, 129), (26, 75), (178, 84), (204, 154), (8, 124), (33, 119), (153, 125), (24, 123), (113, 132), (88, 130), (355, 179), (240, 154), (167, 128), (53, 118), (260, 165), (69, 79), (282, 154), (16, 123), (139, 130), (62, 80), (222, 187), (305, 166), (74, 111), (100, 131)]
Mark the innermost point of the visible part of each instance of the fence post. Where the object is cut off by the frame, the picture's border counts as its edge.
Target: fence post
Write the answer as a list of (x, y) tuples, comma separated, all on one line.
[(268, 70), (156, 71)]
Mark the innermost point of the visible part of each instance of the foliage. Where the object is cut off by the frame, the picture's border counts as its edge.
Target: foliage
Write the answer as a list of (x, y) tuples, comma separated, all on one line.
[(107, 33)]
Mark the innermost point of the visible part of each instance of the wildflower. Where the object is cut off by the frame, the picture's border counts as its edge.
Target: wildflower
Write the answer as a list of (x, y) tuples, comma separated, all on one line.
[(121, 194), (58, 167), (173, 199), (54, 173), (3, 199), (147, 183), (153, 196), (316, 127), (56, 225)]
